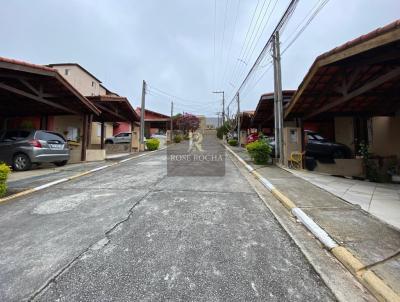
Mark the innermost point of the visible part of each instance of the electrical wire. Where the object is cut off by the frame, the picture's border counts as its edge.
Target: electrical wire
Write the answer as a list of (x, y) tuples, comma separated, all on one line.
[(319, 8), (244, 42), (231, 41), (249, 46), (285, 18)]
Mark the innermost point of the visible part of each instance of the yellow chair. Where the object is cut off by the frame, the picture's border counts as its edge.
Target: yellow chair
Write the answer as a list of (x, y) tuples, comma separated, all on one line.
[(296, 160)]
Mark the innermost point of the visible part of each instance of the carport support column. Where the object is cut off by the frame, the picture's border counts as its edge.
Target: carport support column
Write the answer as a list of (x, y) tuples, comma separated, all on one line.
[(102, 135), (132, 128), (300, 124), (89, 131), (84, 137), (44, 122)]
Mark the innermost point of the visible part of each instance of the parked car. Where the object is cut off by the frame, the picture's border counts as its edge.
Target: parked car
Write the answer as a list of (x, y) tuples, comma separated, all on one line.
[(120, 138), (22, 148), (159, 136), (321, 148)]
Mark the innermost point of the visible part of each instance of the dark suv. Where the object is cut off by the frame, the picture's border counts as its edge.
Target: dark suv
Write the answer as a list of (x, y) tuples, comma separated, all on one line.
[(320, 148), (22, 148)]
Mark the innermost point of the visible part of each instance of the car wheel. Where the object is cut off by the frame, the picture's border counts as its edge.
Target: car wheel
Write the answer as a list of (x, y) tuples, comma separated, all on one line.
[(61, 163), (21, 162), (109, 142), (338, 154)]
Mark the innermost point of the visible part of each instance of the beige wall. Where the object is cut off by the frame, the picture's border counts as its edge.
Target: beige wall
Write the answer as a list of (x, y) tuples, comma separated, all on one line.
[(135, 138), (291, 142), (61, 124), (81, 80), (95, 138), (344, 131), (385, 136)]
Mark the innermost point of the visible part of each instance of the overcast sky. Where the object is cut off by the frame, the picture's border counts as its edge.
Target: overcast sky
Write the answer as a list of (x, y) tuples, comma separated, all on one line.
[(170, 44)]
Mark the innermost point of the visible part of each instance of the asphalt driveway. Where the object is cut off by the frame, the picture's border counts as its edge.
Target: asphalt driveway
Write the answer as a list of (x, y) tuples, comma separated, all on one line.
[(134, 233)]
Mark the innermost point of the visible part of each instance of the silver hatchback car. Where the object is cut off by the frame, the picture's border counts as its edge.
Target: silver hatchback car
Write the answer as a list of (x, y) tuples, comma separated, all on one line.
[(22, 148)]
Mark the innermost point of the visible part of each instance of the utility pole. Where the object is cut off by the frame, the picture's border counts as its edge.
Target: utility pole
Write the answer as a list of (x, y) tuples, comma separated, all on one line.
[(223, 108), (223, 104), (278, 98), (238, 117), (172, 114), (142, 109)]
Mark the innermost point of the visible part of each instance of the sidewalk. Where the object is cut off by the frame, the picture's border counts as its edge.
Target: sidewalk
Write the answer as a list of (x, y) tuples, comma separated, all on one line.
[(381, 200), (373, 242)]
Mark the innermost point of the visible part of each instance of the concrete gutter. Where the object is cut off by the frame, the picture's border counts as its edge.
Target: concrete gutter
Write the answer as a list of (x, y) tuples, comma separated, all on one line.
[(369, 279), (56, 182)]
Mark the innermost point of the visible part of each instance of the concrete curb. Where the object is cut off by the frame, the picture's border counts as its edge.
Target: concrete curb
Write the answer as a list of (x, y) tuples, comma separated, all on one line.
[(369, 279), (56, 182)]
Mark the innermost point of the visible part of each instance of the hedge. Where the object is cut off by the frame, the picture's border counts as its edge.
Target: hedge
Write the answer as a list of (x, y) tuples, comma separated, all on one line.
[(4, 172), (152, 144), (233, 142), (259, 151), (177, 138)]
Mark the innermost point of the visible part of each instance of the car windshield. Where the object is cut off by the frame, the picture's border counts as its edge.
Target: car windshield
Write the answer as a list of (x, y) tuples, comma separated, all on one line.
[(318, 137)]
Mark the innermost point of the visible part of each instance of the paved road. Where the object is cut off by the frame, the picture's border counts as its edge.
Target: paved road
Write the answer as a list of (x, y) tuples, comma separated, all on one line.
[(133, 233)]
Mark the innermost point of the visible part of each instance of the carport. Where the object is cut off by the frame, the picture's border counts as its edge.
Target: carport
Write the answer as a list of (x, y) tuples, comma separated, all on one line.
[(264, 114), (28, 90), (154, 122), (115, 109), (356, 86)]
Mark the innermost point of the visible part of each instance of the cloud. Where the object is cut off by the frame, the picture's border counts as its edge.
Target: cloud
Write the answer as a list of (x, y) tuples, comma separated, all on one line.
[(170, 44)]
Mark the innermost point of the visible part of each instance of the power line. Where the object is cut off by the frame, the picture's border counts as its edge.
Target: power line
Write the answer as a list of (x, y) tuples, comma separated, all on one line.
[(251, 40), (306, 25), (199, 107), (313, 12), (285, 17), (245, 40), (215, 29), (265, 25), (231, 41)]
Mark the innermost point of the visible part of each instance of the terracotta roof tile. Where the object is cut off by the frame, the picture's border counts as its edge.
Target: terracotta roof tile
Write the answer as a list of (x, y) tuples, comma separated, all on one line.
[(7, 60), (363, 38)]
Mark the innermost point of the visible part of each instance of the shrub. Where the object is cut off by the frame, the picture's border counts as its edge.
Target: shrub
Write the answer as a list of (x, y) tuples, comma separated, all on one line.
[(177, 138), (259, 151), (186, 137), (152, 144), (224, 129), (233, 142), (4, 171)]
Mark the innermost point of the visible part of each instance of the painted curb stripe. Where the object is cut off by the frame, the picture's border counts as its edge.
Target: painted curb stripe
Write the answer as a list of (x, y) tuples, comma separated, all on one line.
[(35, 189), (314, 228), (369, 279), (50, 184), (99, 168)]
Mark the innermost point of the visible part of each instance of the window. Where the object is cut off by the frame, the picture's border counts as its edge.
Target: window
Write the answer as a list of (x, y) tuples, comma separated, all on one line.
[(49, 136), (72, 134), (99, 129), (93, 84), (66, 71)]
